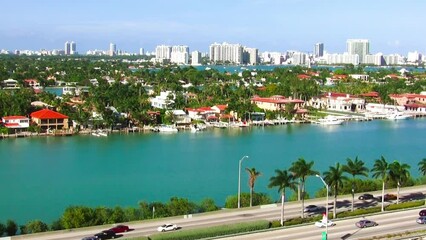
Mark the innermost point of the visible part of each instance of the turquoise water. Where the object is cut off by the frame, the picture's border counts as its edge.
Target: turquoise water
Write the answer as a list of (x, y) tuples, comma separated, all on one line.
[(41, 176)]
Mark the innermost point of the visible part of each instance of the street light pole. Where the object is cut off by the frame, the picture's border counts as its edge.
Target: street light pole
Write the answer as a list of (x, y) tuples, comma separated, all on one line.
[(239, 180), (326, 207)]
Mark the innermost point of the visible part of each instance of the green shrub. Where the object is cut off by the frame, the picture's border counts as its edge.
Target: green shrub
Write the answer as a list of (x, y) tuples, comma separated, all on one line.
[(359, 212), (299, 220), (213, 231), (405, 205)]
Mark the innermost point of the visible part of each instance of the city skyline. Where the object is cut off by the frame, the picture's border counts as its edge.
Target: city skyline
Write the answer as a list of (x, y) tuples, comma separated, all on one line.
[(269, 25)]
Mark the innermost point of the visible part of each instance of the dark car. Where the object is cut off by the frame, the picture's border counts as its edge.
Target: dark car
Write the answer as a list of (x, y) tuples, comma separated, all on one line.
[(312, 208), (366, 196), (366, 223), (388, 197), (106, 234), (422, 213), (120, 228)]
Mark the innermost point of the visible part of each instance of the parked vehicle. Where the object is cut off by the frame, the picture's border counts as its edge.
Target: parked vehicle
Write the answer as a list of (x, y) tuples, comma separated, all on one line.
[(366, 196), (106, 234), (421, 220), (366, 223), (120, 228), (167, 227), (422, 212)]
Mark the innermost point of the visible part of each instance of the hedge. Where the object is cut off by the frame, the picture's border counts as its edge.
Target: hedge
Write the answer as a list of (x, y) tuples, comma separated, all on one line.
[(212, 231)]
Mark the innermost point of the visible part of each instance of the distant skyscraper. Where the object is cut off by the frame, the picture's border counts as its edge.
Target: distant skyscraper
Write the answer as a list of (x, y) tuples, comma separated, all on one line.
[(141, 51), (67, 48), (319, 50), (358, 46), (163, 52), (112, 49), (226, 52), (179, 54), (250, 56), (73, 48), (196, 58)]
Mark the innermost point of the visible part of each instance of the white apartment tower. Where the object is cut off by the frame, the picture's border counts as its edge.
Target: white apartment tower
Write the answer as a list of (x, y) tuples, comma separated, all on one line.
[(250, 56), (67, 49), (319, 50), (196, 58), (226, 52), (112, 49), (180, 54), (358, 46), (163, 52), (73, 48)]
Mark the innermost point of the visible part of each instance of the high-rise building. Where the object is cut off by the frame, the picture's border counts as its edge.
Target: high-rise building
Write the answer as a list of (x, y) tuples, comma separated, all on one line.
[(67, 48), (196, 58), (112, 49), (226, 52), (73, 48), (319, 50), (358, 46), (250, 56), (163, 52), (179, 54), (141, 51)]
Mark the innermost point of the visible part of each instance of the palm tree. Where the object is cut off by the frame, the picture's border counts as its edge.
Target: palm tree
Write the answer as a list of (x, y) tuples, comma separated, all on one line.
[(302, 169), (380, 170), (253, 174), (354, 168), (422, 168), (334, 178), (399, 173), (282, 180)]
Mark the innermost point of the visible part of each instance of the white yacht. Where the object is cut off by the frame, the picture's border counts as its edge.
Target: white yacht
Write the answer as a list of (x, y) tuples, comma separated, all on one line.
[(167, 128), (329, 120)]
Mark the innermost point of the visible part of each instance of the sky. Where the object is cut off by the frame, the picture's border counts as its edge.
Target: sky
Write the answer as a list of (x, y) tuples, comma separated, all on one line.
[(392, 26)]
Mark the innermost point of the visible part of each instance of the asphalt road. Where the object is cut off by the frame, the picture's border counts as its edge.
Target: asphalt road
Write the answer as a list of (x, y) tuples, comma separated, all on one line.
[(268, 212)]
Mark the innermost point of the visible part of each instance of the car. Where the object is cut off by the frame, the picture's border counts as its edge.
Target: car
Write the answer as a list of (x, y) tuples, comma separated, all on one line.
[(388, 197), (322, 223), (421, 220), (167, 227), (106, 234), (366, 196), (422, 212), (366, 223), (120, 228), (312, 208)]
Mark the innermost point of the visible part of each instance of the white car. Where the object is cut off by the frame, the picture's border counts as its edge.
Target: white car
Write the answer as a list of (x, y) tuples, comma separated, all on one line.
[(167, 227), (322, 224)]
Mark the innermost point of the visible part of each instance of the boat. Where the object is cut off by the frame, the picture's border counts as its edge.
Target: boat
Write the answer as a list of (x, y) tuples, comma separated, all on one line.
[(197, 127), (329, 120), (220, 124), (167, 128), (99, 133), (398, 116)]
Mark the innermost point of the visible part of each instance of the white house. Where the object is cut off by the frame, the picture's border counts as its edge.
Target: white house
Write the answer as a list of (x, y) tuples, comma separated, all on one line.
[(338, 102), (163, 101), (16, 122)]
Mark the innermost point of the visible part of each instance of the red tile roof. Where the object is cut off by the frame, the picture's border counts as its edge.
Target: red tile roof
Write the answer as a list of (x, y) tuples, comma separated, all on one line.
[(276, 100), (14, 117), (221, 107), (48, 114), (370, 94)]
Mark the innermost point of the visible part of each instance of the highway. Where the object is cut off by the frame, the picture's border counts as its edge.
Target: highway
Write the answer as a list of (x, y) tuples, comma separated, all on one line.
[(388, 223)]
